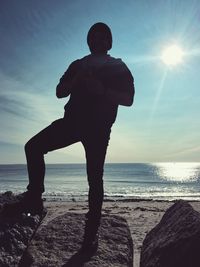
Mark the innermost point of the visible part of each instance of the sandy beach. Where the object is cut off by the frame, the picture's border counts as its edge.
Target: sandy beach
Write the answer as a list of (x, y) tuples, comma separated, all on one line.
[(141, 216)]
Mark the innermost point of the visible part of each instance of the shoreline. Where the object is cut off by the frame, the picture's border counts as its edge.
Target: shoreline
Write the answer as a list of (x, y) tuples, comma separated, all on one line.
[(125, 200)]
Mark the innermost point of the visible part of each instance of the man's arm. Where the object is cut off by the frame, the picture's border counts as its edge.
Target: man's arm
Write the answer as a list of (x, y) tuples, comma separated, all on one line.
[(125, 96), (67, 82), (120, 89)]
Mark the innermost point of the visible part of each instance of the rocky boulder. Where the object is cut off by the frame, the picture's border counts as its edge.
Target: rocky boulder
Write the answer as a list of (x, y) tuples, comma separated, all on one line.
[(175, 241), (58, 241), (15, 233)]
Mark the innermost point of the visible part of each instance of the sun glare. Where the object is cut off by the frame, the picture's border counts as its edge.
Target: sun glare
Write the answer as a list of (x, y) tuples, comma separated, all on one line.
[(172, 55)]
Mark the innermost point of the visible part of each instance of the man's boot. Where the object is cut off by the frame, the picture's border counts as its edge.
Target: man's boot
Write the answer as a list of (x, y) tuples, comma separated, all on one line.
[(26, 202)]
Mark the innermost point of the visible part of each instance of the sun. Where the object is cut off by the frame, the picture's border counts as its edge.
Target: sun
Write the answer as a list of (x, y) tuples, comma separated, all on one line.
[(172, 55)]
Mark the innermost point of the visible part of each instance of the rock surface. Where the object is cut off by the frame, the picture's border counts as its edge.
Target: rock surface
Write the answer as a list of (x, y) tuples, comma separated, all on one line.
[(15, 234), (175, 241), (57, 242)]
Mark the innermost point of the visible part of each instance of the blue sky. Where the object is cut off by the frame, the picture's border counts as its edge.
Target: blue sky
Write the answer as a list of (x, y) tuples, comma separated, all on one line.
[(39, 39)]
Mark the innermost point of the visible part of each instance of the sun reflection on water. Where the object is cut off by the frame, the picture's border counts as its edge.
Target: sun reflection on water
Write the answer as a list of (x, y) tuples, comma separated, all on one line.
[(179, 172)]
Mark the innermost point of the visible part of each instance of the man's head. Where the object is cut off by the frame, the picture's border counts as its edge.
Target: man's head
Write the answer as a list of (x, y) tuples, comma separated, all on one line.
[(99, 38)]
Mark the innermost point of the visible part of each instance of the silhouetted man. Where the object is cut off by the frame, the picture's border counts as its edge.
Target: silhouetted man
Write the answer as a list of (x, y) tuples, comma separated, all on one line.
[(96, 84)]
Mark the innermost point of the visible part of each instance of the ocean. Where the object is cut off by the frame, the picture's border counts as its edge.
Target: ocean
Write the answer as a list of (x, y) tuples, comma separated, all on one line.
[(125, 181)]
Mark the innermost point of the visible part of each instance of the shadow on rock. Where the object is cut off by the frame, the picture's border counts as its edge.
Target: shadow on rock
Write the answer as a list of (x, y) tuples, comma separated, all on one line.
[(78, 259)]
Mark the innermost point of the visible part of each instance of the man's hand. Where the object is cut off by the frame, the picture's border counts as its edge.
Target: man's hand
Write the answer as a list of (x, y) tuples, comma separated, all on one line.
[(93, 84), (88, 79), (78, 79)]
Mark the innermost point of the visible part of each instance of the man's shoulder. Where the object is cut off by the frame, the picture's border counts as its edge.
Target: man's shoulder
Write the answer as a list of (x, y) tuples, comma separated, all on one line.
[(117, 65), (80, 62), (116, 61), (75, 65), (75, 62), (82, 59)]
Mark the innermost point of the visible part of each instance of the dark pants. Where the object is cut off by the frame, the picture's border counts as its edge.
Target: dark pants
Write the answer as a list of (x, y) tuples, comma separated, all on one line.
[(62, 133)]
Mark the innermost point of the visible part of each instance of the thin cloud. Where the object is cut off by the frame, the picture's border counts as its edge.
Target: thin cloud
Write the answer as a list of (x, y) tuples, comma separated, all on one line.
[(23, 112), (20, 100), (13, 106)]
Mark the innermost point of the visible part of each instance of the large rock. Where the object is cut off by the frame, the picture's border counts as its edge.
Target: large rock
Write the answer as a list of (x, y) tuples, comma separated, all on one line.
[(15, 234), (175, 241), (57, 242)]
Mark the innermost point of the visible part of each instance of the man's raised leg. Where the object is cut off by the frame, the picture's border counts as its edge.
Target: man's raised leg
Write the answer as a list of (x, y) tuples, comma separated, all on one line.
[(57, 135)]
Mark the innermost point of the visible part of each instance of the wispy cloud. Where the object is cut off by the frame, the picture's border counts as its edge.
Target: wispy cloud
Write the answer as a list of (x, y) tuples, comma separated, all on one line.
[(187, 151), (24, 112), (20, 100), (13, 106)]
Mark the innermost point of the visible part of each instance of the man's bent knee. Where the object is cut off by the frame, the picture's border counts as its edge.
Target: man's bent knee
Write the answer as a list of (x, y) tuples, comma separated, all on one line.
[(33, 147)]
